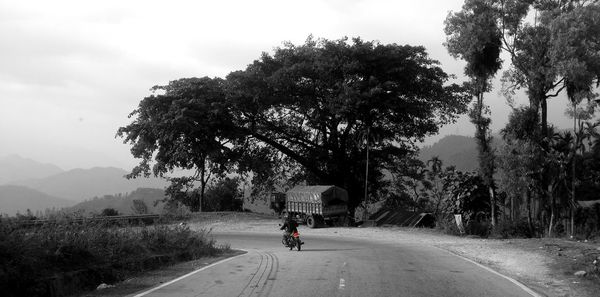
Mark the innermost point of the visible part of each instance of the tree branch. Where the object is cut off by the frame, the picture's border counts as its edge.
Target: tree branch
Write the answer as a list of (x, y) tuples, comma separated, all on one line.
[(557, 92), (308, 164)]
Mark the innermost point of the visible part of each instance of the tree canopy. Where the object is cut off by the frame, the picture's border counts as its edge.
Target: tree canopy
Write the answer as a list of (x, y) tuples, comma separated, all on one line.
[(304, 109)]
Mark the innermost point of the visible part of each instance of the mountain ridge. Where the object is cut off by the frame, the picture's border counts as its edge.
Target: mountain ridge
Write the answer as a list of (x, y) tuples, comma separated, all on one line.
[(80, 184), (14, 167), (18, 199), (456, 150)]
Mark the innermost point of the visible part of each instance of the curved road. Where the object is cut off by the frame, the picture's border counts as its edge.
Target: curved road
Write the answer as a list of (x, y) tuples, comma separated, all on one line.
[(336, 267)]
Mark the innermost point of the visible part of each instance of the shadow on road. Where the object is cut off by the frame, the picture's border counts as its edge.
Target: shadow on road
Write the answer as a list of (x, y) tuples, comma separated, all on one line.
[(327, 250)]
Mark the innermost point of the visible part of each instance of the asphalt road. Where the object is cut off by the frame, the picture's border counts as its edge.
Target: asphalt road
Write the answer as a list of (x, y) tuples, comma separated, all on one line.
[(334, 267)]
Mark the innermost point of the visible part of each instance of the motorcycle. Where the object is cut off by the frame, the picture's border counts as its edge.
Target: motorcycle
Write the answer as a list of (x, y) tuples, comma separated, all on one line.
[(292, 241)]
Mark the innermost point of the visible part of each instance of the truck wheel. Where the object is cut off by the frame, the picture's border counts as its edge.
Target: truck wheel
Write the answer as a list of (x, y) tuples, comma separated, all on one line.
[(311, 222)]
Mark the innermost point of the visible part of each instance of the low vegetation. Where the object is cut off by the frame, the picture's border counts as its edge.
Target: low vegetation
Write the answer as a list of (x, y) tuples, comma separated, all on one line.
[(60, 259)]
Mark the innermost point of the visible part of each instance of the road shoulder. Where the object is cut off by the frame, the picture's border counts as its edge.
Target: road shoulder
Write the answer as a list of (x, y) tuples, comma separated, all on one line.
[(149, 279)]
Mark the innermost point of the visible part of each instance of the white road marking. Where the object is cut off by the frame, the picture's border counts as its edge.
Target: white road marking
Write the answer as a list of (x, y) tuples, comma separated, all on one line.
[(510, 279), (342, 284), (191, 273)]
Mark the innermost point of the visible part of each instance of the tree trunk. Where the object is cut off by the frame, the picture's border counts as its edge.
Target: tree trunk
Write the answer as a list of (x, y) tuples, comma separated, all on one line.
[(544, 119), (552, 207), (528, 202), (486, 166), (572, 229), (512, 208), (203, 182), (493, 205)]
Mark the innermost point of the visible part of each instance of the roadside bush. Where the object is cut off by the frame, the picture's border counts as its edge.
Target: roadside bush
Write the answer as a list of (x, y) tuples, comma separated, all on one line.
[(447, 224), (479, 228), (175, 211), (512, 229), (109, 212), (34, 260)]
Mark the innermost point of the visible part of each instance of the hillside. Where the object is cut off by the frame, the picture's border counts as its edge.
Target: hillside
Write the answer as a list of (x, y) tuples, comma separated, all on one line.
[(457, 150), (14, 167), (122, 203), (80, 184), (15, 199)]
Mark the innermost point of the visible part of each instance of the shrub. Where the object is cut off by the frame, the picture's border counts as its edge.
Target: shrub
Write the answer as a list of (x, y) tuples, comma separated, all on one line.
[(513, 229), (447, 224), (175, 210), (32, 259), (109, 212)]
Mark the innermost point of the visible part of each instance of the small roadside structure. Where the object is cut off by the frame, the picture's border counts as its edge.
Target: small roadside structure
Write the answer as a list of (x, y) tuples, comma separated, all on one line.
[(403, 218), (317, 205)]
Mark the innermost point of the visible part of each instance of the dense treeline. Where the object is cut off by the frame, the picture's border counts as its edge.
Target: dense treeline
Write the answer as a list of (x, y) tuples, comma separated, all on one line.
[(553, 48)]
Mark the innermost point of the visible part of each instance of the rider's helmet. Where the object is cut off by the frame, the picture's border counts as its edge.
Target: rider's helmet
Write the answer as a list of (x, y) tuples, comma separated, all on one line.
[(285, 216)]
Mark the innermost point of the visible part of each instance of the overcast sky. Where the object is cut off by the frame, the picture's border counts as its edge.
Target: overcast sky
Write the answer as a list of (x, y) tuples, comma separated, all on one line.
[(71, 71)]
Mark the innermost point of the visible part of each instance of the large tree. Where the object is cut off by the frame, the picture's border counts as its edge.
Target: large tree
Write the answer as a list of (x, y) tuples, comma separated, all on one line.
[(183, 125), (310, 105), (474, 35)]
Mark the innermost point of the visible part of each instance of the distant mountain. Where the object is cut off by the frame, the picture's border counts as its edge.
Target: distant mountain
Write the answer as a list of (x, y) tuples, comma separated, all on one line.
[(15, 199), (81, 184), (14, 167), (122, 203), (457, 150)]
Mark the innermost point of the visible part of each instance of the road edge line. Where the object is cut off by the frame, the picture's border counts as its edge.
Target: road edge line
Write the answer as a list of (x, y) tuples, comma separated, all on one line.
[(189, 274), (523, 287)]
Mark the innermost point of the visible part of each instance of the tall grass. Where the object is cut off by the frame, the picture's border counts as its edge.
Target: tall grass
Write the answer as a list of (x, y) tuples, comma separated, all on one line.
[(42, 260)]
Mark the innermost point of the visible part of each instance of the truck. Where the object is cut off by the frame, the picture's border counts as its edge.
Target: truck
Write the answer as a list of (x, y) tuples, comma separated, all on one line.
[(316, 205)]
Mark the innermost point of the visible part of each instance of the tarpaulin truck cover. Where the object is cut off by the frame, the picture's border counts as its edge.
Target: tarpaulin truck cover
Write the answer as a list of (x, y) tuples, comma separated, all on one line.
[(325, 195), (326, 201)]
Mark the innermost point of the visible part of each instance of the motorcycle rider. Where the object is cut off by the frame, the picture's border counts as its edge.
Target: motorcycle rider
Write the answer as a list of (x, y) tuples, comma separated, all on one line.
[(290, 226)]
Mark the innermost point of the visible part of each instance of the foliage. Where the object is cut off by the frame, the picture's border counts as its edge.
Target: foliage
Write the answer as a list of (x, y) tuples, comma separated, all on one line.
[(523, 165), (445, 192), (139, 207), (409, 187), (224, 195), (30, 259), (184, 125), (467, 196), (447, 224), (519, 158), (435, 185), (400, 201), (588, 220), (474, 36), (108, 212), (303, 111), (175, 210), (513, 229)]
